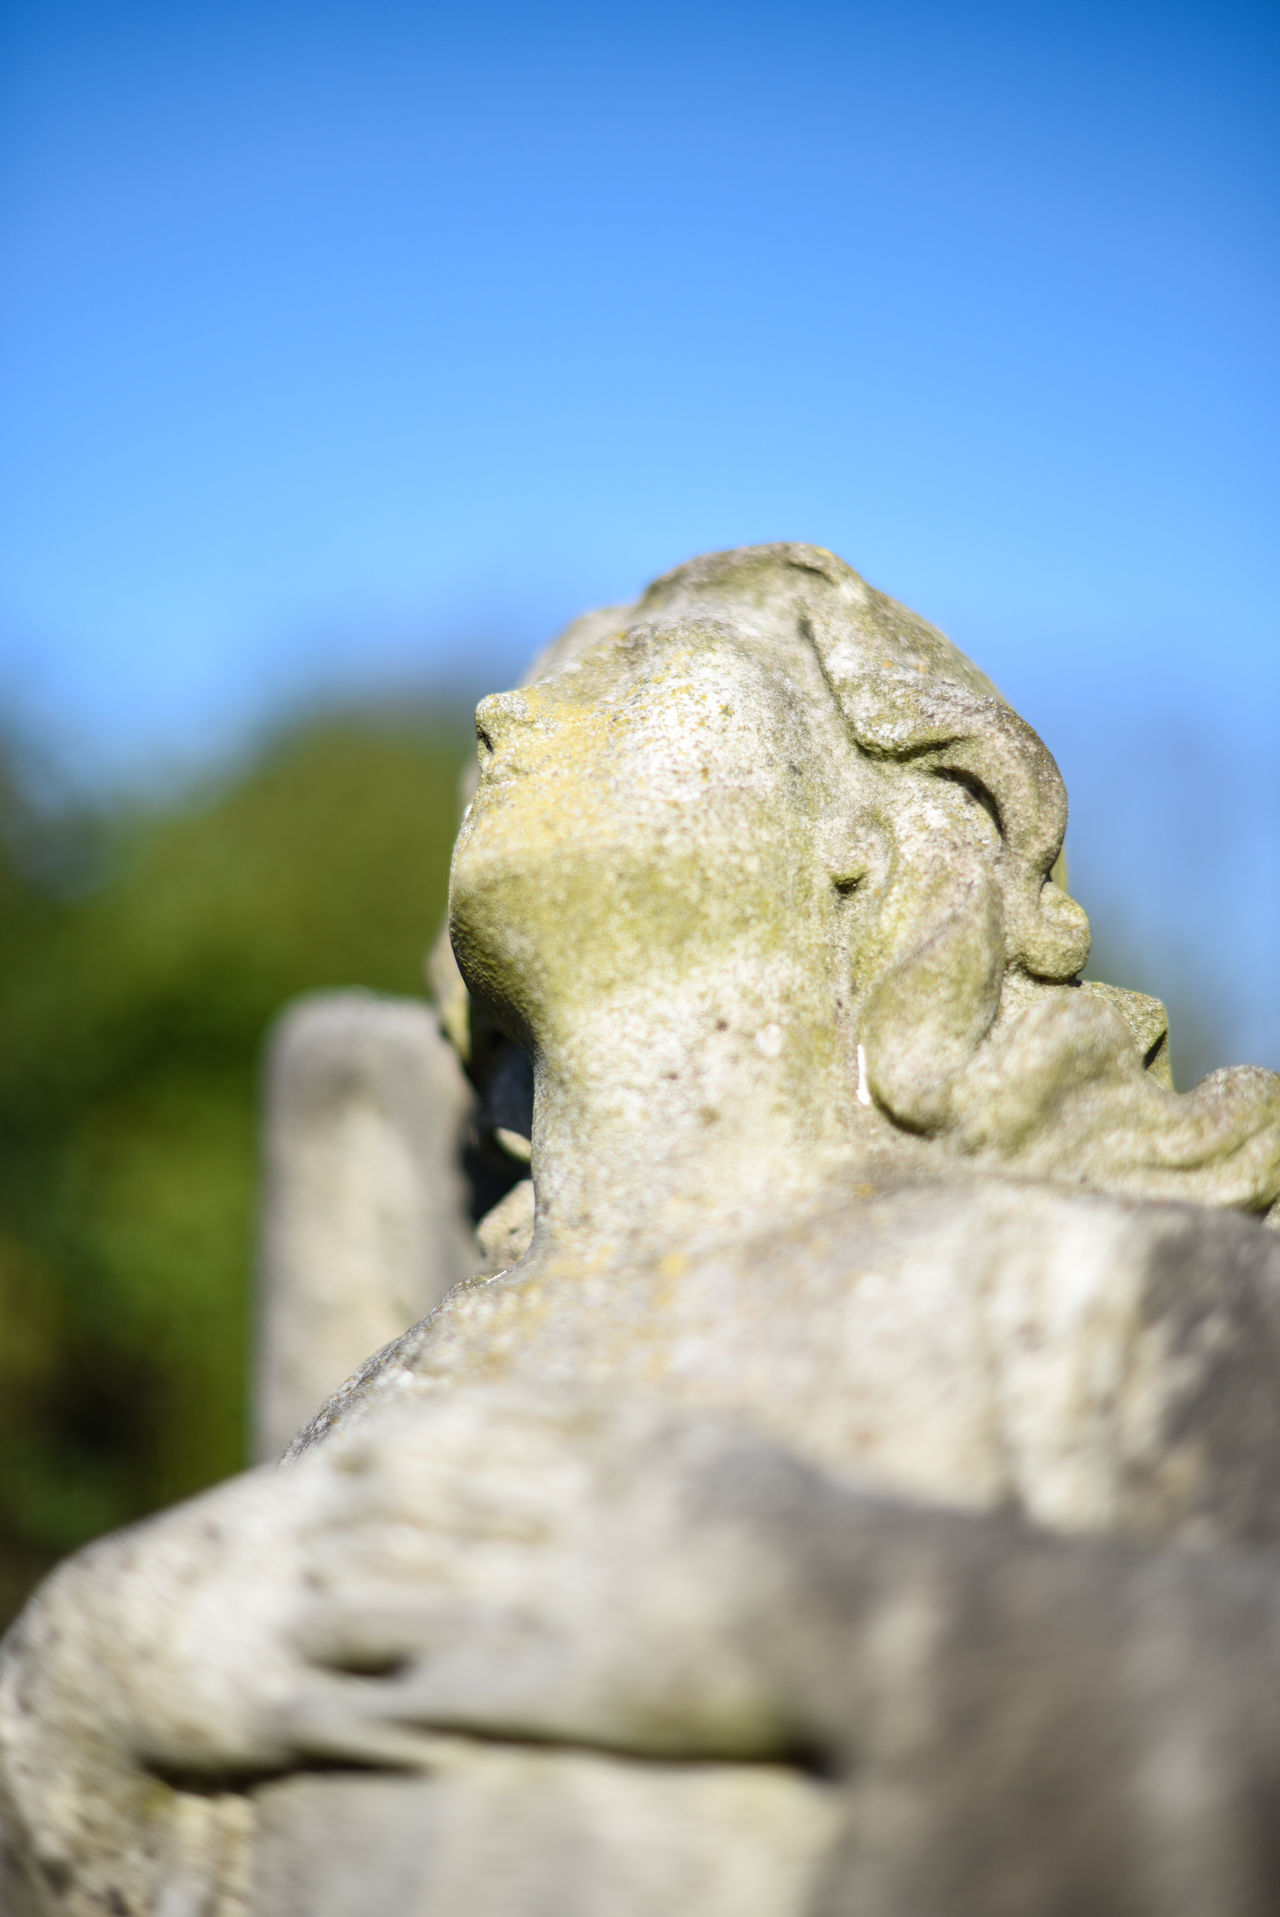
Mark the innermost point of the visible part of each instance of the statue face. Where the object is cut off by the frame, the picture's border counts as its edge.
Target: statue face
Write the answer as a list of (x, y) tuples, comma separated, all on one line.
[(658, 802)]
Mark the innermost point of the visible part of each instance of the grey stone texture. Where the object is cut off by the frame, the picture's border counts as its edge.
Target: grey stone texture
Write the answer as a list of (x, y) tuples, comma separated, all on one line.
[(847, 1479), (364, 1224)]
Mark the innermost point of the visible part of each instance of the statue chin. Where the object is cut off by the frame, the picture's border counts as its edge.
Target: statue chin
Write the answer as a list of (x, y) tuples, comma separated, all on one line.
[(532, 923)]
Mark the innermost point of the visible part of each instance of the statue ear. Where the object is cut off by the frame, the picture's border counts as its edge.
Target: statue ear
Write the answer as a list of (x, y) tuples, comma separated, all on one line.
[(954, 733), (934, 1003)]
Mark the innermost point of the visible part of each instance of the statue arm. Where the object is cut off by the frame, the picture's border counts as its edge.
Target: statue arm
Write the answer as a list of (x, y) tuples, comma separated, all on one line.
[(1008, 1714), (985, 1698), (149, 1676)]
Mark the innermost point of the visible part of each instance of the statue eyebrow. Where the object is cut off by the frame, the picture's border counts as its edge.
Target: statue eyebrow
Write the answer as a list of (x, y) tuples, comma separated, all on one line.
[(977, 791)]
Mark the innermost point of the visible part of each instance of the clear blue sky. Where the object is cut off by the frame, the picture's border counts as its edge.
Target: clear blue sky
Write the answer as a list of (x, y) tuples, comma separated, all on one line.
[(346, 344)]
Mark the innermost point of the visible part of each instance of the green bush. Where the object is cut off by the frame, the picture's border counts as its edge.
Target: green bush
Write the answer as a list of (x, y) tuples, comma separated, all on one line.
[(143, 953)]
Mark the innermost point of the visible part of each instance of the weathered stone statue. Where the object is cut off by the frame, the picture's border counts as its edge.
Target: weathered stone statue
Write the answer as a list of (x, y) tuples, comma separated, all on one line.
[(862, 1495)]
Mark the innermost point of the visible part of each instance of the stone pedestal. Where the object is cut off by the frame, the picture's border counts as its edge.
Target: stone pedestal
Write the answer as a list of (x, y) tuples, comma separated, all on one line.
[(364, 1214)]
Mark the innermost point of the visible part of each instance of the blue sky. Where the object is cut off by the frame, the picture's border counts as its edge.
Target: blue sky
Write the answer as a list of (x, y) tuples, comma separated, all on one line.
[(349, 346)]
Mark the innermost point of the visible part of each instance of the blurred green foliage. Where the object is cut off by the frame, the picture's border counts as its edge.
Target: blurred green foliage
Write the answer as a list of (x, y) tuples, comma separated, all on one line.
[(144, 950)]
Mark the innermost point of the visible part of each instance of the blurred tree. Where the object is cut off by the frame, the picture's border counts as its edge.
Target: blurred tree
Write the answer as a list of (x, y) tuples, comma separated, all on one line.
[(142, 955)]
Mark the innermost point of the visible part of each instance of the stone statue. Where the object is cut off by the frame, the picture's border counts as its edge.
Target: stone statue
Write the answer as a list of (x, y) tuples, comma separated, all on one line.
[(861, 1492)]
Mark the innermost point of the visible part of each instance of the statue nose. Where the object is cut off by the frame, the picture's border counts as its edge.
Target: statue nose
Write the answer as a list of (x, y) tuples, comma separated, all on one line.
[(497, 716)]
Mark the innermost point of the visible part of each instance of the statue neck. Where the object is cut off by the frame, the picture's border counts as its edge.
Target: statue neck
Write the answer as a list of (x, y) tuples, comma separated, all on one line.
[(663, 1111)]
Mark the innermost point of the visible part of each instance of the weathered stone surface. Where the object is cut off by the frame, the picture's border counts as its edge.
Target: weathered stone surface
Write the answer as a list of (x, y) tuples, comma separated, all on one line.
[(556, 1834), (754, 1688), (364, 1226), (505, 1233), (864, 1490), (1093, 1364)]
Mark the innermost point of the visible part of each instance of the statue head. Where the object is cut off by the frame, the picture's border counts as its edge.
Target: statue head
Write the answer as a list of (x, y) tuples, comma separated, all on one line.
[(765, 754)]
